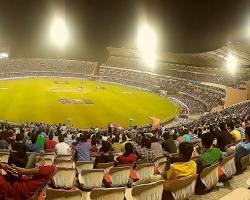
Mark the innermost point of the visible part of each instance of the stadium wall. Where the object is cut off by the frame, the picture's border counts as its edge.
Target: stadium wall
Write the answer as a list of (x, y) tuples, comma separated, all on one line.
[(234, 96)]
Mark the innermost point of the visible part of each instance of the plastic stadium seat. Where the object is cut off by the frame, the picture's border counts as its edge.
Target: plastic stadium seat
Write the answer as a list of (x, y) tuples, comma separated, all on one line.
[(105, 166), (4, 156), (60, 194), (228, 166), (244, 162), (150, 191), (65, 163), (50, 155), (90, 179), (208, 179), (64, 157), (107, 194), (163, 166), (64, 178), (119, 176), (145, 171), (84, 165), (183, 188), (159, 159)]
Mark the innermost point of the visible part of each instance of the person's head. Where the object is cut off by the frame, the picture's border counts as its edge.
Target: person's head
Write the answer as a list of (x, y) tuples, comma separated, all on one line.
[(166, 135), (93, 141), (222, 126), (186, 150), (33, 138), (61, 138), (247, 133), (129, 148), (207, 140), (51, 136), (116, 139), (147, 143), (231, 126), (19, 137), (106, 146)]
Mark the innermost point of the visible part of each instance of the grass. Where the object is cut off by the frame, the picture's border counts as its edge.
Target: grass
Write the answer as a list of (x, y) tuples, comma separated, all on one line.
[(38, 100)]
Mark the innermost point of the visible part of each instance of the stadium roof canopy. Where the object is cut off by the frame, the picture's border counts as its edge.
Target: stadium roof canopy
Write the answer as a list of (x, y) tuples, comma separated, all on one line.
[(216, 58)]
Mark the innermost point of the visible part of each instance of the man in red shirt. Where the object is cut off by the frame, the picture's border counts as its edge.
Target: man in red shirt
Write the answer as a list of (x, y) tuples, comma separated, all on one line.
[(129, 157), (50, 144), (20, 183)]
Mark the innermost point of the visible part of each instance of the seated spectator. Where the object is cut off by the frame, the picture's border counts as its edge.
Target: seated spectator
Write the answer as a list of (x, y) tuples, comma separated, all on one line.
[(168, 144), (156, 147), (62, 148), (33, 147), (40, 140), (129, 157), (116, 146), (94, 147), (3, 143), (50, 144), (106, 156), (83, 149), (210, 155), (146, 152), (235, 133), (23, 182), (184, 167), (224, 137), (186, 136)]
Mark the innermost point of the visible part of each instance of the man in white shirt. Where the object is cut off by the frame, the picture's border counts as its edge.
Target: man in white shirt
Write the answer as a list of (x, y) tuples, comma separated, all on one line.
[(62, 148)]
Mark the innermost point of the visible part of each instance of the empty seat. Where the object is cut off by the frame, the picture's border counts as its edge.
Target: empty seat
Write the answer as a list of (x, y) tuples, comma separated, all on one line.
[(107, 194), (64, 178), (244, 163), (60, 194), (64, 163), (183, 188), (145, 171), (49, 155), (119, 176), (163, 166), (4, 156), (92, 178), (64, 157), (150, 191), (84, 165), (105, 166)]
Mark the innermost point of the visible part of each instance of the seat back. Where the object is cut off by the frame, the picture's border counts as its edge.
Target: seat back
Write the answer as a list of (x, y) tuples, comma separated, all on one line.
[(244, 161), (92, 178), (84, 165), (64, 163), (64, 178), (64, 157), (183, 188), (105, 166), (145, 171), (163, 166), (228, 166), (49, 155), (159, 160), (107, 194), (209, 176), (4, 156), (150, 191), (58, 194), (119, 176)]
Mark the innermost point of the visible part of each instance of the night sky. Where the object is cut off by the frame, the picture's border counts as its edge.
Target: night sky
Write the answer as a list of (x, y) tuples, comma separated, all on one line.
[(182, 25)]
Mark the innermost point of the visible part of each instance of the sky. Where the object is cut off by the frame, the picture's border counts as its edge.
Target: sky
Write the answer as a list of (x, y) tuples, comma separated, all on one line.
[(183, 26)]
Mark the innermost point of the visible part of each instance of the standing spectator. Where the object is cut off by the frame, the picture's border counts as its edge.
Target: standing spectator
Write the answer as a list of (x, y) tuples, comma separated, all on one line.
[(33, 147), (50, 144), (83, 149), (62, 148)]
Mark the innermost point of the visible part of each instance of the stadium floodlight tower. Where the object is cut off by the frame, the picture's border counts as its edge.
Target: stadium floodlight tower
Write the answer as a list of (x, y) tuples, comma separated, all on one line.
[(58, 32), (147, 44), (232, 63)]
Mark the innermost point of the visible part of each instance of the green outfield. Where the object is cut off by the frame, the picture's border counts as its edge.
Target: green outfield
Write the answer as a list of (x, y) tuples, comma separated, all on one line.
[(94, 104)]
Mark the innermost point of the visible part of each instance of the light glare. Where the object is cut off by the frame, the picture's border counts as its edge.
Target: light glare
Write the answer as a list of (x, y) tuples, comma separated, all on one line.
[(232, 63), (147, 44), (3, 55), (58, 32)]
